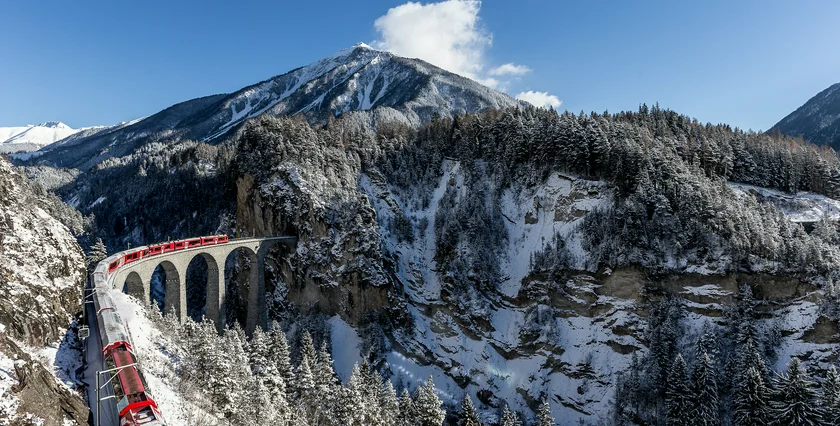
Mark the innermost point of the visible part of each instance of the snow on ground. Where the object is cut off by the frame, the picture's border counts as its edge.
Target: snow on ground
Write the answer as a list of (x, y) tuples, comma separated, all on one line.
[(158, 361), (706, 290), (98, 201), (799, 207), (345, 347), (260, 98), (8, 401), (63, 358), (795, 320)]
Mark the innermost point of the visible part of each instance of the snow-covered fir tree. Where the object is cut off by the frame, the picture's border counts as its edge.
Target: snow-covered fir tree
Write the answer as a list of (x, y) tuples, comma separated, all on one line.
[(305, 387), (468, 416), (678, 399), (97, 253), (795, 401), (408, 414), (544, 415), (508, 418), (427, 406), (279, 354), (326, 384), (704, 393), (831, 397), (750, 402), (307, 348), (389, 404)]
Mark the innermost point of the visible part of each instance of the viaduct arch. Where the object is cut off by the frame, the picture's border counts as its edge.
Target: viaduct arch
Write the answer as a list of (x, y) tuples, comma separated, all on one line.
[(135, 278)]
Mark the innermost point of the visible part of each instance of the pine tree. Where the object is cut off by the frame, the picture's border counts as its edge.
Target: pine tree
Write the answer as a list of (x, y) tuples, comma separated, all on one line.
[(704, 390), (678, 394), (353, 410), (257, 351), (97, 253), (831, 397), (388, 403), (468, 416), (749, 402), (370, 385), (256, 407), (278, 353), (228, 372), (427, 405), (795, 400), (307, 348), (544, 415), (325, 382), (305, 387), (508, 418), (408, 414)]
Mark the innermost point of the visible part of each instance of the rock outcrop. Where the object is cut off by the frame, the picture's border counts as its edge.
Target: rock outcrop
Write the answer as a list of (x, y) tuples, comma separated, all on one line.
[(42, 271)]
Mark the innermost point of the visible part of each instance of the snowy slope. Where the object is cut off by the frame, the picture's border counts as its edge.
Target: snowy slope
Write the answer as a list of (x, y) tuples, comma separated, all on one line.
[(31, 138), (818, 120), (799, 207), (570, 343)]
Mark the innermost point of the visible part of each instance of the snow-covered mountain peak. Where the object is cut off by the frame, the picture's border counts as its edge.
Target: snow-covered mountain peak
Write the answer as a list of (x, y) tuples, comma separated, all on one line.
[(31, 138), (371, 84), (54, 125)]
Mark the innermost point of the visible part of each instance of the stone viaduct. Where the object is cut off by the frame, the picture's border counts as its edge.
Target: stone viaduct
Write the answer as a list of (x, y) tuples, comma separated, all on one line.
[(136, 278)]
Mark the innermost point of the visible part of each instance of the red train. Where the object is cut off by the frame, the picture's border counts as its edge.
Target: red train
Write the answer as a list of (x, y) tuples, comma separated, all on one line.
[(141, 253), (135, 405)]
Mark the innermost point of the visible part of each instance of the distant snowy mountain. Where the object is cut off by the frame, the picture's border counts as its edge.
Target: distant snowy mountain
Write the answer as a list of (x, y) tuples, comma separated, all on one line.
[(31, 138), (818, 121), (358, 78)]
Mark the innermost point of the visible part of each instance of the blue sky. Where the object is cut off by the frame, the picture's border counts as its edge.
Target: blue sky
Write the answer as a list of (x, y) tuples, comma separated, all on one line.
[(746, 63)]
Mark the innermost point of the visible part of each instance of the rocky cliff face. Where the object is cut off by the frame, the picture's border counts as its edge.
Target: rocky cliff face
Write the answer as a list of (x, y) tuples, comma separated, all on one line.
[(311, 193), (42, 271), (564, 335), (498, 295)]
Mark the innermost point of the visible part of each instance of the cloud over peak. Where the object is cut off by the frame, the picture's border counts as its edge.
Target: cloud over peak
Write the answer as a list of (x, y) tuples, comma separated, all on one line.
[(449, 34), (446, 34)]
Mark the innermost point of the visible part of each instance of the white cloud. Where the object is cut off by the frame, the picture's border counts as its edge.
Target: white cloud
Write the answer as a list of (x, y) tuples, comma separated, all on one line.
[(446, 34), (540, 99), (510, 69), (449, 34)]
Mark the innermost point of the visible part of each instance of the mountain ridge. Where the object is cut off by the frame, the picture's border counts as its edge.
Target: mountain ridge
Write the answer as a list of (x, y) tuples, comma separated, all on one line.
[(33, 137), (358, 78), (817, 120)]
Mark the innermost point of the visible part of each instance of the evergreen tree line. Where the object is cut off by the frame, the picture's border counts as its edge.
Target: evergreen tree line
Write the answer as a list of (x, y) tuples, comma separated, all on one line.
[(258, 381), (673, 205), (729, 379), (668, 172)]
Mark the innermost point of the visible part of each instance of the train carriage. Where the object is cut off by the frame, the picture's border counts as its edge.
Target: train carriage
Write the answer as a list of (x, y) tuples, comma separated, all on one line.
[(135, 405)]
